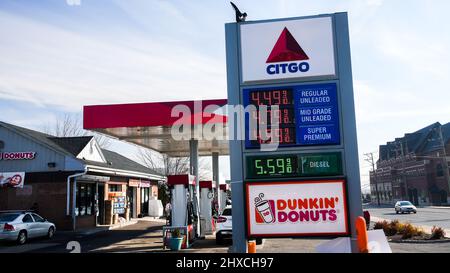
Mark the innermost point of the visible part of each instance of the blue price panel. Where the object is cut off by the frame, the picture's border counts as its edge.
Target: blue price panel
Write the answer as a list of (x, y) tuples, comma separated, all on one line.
[(308, 115), (317, 114)]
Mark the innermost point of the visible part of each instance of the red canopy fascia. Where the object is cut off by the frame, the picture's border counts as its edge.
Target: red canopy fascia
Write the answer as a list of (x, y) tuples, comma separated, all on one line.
[(145, 114)]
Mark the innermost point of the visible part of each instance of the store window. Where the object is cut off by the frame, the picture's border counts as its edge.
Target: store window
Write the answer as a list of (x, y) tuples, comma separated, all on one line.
[(115, 188), (85, 199)]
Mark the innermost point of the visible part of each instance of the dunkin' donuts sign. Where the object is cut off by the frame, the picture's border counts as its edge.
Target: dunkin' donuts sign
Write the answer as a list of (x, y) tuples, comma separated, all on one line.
[(300, 208)]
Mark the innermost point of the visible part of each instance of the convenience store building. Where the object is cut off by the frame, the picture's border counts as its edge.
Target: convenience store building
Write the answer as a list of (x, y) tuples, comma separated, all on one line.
[(72, 181)]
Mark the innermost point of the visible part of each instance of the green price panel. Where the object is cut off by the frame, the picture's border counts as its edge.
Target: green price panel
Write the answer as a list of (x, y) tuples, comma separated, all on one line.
[(272, 166), (294, 165)]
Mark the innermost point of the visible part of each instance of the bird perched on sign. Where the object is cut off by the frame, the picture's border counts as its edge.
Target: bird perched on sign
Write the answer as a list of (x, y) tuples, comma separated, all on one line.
[(240, 17)]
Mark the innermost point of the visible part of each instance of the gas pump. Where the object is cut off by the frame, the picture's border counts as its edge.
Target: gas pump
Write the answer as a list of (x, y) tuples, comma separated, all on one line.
[(206, 206), (184, 213)]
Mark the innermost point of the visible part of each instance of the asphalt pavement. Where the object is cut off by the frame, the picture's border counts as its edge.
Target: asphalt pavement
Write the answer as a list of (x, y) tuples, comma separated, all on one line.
[(146, 236)]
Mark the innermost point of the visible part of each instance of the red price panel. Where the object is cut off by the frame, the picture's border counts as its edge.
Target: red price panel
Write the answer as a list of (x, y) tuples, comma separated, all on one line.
[(285, 136), (284, 115), (271, 97)]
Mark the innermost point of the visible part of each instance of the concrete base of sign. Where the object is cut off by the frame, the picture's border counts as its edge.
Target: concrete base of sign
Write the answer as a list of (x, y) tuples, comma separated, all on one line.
[(377, 244), (339, 245)]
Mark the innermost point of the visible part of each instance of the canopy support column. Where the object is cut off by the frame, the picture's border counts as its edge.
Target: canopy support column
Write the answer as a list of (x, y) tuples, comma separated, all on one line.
[(215, 171), (193, 161)]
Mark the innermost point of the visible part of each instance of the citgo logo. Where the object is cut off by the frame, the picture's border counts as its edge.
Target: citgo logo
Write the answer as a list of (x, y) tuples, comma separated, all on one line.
[(287, 49), (295, 210)]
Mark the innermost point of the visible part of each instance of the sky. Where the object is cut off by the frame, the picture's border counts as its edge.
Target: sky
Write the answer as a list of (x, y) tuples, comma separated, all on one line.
[(58, 55)]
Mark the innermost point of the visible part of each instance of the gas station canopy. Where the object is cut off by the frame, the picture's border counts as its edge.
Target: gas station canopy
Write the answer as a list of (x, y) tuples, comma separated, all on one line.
[(150, 125)]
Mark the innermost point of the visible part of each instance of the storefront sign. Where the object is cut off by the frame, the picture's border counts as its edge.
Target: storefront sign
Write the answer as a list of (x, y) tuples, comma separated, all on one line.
[(287, 49), (96, 178), (145, 184), (12, 180), (134, 183), (139, 183), (17, 155), (296, 208)]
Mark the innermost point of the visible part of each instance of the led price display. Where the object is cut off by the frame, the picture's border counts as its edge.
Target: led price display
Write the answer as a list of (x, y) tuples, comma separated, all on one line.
[(294, 165), (284, 115), (271, 166), (306, 115)]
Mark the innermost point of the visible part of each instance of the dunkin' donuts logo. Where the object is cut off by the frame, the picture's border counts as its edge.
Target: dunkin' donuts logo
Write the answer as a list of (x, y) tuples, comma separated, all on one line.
[(321, 209), (265, 210)]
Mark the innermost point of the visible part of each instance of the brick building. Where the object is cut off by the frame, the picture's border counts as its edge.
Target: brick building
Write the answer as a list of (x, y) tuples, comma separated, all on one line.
[(414, 167), (73, 181)]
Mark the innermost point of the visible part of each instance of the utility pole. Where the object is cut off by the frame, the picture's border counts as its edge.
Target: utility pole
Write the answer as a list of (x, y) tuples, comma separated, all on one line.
[(369, 158)]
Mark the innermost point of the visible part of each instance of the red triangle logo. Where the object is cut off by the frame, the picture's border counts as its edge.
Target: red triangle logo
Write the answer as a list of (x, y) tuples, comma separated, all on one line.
[(286, 49)]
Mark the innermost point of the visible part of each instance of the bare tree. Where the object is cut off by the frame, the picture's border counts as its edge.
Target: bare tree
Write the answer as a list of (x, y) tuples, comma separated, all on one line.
[(70, 125), (167, 165)]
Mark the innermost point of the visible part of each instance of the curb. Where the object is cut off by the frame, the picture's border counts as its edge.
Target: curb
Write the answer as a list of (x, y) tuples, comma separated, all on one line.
[(420, 241)]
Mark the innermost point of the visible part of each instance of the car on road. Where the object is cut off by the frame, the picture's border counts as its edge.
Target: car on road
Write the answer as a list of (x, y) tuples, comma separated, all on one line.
[(20, 226), (405, 206)]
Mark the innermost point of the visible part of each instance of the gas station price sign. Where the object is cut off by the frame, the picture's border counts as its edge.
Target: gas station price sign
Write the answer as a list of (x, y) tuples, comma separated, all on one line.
[(294, 165), (306, 115)]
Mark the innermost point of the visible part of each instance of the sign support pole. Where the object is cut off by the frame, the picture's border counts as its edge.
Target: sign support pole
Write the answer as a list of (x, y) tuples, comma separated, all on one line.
[(335, 43), (236, 164), (349, 123)]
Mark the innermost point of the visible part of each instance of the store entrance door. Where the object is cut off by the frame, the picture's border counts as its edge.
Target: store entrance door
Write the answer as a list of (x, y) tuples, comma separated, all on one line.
[(101, 204), (130, 195), (145, 194)]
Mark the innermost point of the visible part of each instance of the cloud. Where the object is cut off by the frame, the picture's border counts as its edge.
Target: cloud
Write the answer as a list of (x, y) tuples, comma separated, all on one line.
[(47, 64)]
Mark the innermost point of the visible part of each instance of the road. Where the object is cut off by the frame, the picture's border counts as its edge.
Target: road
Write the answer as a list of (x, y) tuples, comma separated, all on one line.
[(426, 216)]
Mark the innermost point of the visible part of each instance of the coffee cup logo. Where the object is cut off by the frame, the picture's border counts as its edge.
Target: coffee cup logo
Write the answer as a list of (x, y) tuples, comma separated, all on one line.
[(264, 209)]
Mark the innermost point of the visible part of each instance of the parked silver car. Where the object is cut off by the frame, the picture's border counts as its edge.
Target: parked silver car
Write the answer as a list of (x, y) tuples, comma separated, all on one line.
[(22, 225), (405, 206)]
